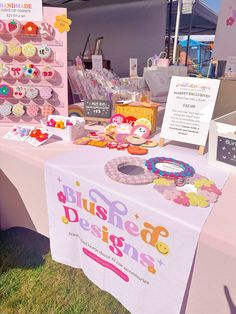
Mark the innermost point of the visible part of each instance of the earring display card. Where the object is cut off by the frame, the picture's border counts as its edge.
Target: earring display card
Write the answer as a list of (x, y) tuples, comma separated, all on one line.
[(33, 69)]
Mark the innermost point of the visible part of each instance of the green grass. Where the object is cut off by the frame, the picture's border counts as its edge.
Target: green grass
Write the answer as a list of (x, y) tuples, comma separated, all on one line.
[(31, 283)]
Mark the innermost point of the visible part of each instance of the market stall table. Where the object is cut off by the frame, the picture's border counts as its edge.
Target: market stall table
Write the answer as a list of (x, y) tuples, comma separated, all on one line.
[(22, 173)]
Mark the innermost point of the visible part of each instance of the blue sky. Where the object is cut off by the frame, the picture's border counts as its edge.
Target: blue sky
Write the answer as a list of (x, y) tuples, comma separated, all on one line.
[(213, 4)]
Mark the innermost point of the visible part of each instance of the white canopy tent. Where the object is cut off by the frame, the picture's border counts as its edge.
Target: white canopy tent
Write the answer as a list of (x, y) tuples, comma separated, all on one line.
[(131, 28)]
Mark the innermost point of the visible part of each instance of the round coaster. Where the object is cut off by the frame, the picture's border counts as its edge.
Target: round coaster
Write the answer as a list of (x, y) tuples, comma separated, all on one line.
[(143, 121), (47, 31), (169, 168), (118, 119), (44, 51), (14, 27), (47, 109), (14, 50), (18, 110), (141, 131), (31, 71), (135, 140), (150, 143), (5, 110), (16, 72), (31, 92), (29, 50), (124, 128), (131, 120), (32, 110), (46, 92), (48, 73), (19, 92), (118, 168)]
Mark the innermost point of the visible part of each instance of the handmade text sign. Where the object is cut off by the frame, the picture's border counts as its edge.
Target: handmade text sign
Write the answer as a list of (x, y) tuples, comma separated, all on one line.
[(23, 10), (98, 108), (189, 109)]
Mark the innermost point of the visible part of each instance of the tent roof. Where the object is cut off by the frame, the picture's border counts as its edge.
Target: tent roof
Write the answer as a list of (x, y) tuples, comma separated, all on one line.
[(192, 43), (204, 21)]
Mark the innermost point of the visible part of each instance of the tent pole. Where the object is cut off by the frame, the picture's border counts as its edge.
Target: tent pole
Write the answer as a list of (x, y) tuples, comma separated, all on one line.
[(189, 33), (177, 30), (169, 30)]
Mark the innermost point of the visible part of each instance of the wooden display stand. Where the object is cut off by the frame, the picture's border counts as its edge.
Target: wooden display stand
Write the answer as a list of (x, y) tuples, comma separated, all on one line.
[(201, 149)]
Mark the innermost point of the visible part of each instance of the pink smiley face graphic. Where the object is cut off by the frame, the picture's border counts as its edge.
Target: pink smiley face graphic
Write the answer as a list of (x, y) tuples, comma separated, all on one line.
[(141, 131)]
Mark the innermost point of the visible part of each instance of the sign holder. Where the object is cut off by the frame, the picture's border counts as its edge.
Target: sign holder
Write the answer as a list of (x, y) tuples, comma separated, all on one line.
[(189, 110), (201, 148), (97, 111)]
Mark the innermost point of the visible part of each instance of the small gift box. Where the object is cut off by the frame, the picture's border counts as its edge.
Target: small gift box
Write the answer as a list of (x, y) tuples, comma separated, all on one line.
[(222, 142)]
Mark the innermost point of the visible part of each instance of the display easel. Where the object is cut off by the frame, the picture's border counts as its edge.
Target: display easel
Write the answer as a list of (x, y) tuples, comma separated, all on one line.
[(201, 148)]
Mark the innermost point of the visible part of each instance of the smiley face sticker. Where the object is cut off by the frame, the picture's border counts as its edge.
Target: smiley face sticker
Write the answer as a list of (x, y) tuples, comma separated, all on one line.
[(162, 248)]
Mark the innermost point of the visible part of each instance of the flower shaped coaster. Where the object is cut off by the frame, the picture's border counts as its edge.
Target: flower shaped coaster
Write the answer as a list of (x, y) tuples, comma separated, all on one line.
[(197, 191), (38, 137)]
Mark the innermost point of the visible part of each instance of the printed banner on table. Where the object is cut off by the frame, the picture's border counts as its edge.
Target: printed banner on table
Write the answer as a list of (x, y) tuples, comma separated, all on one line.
[(22, 10), (225, 44), (127, 239), (189, 108)]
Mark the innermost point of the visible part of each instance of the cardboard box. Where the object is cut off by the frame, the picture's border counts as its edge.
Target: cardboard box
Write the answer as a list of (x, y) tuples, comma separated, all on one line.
[(222, 142), (140, 110)]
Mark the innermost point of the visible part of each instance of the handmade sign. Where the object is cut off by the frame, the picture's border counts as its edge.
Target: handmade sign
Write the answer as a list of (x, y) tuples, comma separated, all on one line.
[(21, 10), (189, 110), (128, 239), (97, 109)]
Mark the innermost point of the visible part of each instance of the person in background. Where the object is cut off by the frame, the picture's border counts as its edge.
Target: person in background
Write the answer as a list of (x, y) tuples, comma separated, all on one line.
[(190, 63)]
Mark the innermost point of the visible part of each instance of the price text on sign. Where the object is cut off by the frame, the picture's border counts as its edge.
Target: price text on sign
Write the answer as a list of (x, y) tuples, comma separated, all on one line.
[(98, 108), (23, 10)]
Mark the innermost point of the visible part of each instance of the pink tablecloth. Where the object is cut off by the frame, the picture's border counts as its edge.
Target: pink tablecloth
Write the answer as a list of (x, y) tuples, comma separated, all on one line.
[(212, 288)]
